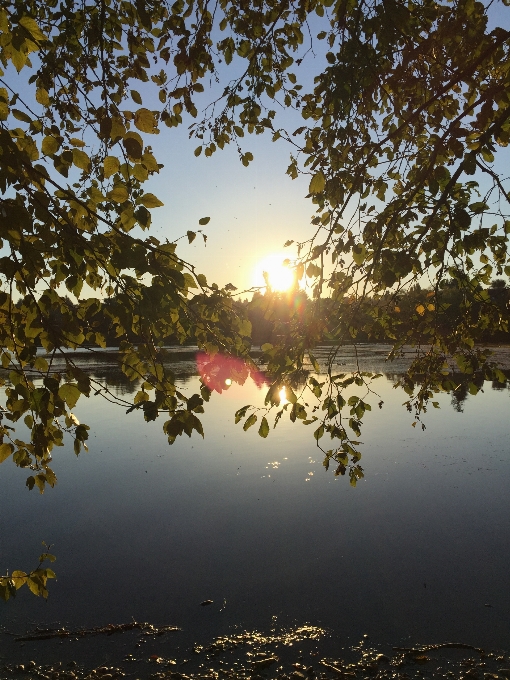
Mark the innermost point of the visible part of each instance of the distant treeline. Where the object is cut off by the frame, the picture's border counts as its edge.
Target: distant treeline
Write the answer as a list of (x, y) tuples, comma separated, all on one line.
[(320, 320), (447, 308)]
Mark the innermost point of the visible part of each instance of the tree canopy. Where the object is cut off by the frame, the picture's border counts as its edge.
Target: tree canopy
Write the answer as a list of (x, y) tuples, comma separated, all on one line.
[(402, 135)]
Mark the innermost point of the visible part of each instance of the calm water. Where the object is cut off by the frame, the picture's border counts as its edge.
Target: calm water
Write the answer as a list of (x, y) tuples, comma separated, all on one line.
[(416, 551)]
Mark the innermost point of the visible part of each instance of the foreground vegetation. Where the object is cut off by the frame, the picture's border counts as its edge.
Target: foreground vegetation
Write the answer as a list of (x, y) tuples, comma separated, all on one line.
[(402, 135)]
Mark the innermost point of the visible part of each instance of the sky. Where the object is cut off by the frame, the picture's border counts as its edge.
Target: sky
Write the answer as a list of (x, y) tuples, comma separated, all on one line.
[(253, 210)]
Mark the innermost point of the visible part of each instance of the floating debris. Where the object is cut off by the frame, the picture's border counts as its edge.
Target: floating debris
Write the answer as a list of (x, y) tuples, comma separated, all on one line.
[(110, 629)]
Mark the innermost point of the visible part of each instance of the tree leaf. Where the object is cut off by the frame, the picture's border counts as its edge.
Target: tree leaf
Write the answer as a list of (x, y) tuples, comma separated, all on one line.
[(133, 147), (149, 201), (69, 393), (145, 121), (5, 451), (42, 96), (21, 115), (32, 27), (135, 96), (264, 428), (250, 421), (317, 183), (119, 194), (111, 166), (81, 160), (204, 220), (50, 146)]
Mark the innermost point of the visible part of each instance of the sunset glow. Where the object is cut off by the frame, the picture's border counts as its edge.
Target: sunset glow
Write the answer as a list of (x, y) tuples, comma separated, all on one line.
[(281, 278)]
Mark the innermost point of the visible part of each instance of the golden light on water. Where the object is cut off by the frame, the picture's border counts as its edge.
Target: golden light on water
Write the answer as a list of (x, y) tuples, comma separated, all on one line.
[(280, 277), (283, 397)]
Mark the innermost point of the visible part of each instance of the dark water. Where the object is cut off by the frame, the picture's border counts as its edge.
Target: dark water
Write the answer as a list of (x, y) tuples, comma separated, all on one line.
[(142, 530)]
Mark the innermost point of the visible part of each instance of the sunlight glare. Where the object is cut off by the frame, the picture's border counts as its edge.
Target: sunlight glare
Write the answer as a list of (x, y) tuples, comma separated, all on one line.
[(281, 278)]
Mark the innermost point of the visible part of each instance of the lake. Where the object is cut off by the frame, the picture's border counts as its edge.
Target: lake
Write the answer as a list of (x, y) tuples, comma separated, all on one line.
[(418, 552)]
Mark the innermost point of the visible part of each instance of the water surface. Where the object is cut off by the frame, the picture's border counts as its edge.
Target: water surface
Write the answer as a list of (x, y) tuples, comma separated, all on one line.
[(415, 552)]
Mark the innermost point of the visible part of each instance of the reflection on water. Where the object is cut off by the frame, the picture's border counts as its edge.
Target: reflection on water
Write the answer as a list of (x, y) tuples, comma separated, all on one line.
[(418, 552)]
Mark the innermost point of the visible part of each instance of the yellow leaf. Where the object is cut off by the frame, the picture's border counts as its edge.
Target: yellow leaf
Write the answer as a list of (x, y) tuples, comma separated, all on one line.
[(118, 129), (77, 142), (96, 195), (149, 201), (146, 121), (4, 21), (139, 172), (42, 96), (421, 310), (111, 166), (4, 101), (19, 578), (136, 97), (50, 146), (119, 194), (69, 393), (35, 586), (317, 183), (81, 160), (32, 27), (5, 451), (19, 59), (431, 307)]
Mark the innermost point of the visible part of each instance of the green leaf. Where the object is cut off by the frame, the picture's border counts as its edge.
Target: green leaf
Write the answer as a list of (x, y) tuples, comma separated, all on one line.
[(145, 121), (119, 194), (149, 201), (69, 393), (19, 578), (264, 428), (42, 97), (204, 220), (191, 236), (50, 146), (358, 254), (32, 27), (111, 166), (249, 422), (135, 96), (81, 160), (317, 183), (5, 451), (21, 115)]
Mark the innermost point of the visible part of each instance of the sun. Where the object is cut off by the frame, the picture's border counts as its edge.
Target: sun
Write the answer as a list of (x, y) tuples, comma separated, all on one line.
[(281, 278)]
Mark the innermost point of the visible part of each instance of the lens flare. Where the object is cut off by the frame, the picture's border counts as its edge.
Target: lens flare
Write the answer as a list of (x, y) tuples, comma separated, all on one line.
[(219, 372)]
